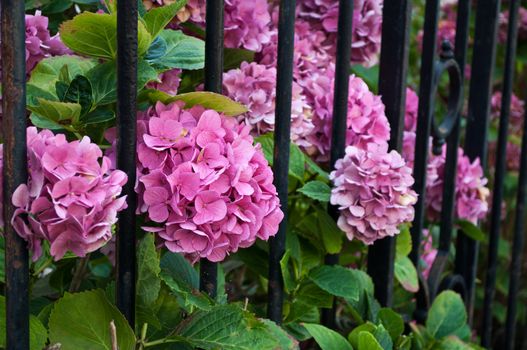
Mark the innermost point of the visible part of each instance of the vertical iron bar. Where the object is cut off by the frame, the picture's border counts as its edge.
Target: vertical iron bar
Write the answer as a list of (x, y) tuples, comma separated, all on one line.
[(517, 246), (15, 171), (340, 114), (208, 279), (284, 83), (424, 122), (483, 59), (392, 88), (127, 18), (499, 177)]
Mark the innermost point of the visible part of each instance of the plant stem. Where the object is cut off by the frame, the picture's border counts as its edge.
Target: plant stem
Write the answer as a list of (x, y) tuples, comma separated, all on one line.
[(43, 267), (79, 273), (160, 341)]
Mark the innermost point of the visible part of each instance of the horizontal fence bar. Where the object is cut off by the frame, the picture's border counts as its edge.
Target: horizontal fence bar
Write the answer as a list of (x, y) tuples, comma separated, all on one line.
[(208, 279), (340, 116), (127, 18), (499, 174), (392, 87), (282, 138)]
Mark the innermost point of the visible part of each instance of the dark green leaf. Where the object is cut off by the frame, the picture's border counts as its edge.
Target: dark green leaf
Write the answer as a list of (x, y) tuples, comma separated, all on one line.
[(296, 162), (79, 91), (330, 279), (57, 112), (182, 51), (369, 75), (148, 282), (471, 230), (100, 115), (330, 233), (82, 321), (392, 321), (383, 337)]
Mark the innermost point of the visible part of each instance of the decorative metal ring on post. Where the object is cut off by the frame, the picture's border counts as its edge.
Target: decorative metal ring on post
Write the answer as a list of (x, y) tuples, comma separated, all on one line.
[(448, 64)]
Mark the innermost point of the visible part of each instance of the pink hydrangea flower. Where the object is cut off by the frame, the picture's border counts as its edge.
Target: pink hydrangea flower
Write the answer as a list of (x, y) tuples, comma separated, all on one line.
[(517, 111), (71, 199), (446, 30), (169, 82), (471, 194), (504, 24), (206, 189), (39, 43), (372, 188), (254, 85), (367, 25), (367, 122), (194, 10), (428, 254), (412, 105)]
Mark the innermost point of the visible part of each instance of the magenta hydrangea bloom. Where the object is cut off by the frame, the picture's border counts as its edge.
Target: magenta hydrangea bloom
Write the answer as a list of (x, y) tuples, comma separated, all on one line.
[(412, 105), (254, 85), (471, 194), (517, 111), (169, 81), (206, 189), (504, 24), (39, 43), (428, 254), (367, 122), (367, 25), (372, 188), (446, 30), (72, 197)]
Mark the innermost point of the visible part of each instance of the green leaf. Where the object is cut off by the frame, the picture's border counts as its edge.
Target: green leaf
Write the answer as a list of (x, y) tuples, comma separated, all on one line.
[(100, 115), (446, 315), (95, 35), (47, 72), (38, 335), (330, 279), (267, 142), (406, 274), (471, 230), (326, 338), (148, 282), (392, 321), (316, 190), (289, 281), (209, 100), (82, 321), (228, 327), (353, 337), (79, 91), (296, 162), (182, 51), (315, 168), (383, 337), (157, 18), (332, 235), (310, 294), (44, 123), (403, 242), (103, 79), (369, 75), (367, 341), (57, 112), (180, 269)]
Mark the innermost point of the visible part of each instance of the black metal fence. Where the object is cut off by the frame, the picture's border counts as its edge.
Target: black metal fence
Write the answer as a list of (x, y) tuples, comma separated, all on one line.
[(392, 87)]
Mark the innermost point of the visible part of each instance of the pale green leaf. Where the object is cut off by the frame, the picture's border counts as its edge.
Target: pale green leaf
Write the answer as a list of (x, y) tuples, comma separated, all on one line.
[(326, 338), (406, 274), (57, 111), (353, 337), (82, 321), (392, 322), (403, 245), (471, 230), (157, 18), (367, 341), (296, 162), (332, 236), (331, 279), (182, 51)]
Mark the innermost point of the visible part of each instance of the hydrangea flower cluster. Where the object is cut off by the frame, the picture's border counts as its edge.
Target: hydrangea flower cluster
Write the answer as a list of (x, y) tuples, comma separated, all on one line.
[(367, 25), (428, 254), (39, 43), (254, 85), (72, 198), (203, 182), (367, 122), (412, 105), (194, 10), (504, 24), (373, 192), (471, 194), (169, 82)]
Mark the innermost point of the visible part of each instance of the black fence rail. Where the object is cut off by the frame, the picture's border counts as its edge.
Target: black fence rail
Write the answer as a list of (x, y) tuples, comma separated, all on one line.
[(449, 59)]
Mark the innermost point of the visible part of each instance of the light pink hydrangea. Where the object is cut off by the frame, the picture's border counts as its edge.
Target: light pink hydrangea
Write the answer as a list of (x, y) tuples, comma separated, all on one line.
[(372, 188), (411, 111), (428, 254), (39, 43), (471, 194), (254, 85), (169, 81), (206, 189), (517, 111), (367, 25), (194, 10), (72, 198), (504, 24), (367, 122)]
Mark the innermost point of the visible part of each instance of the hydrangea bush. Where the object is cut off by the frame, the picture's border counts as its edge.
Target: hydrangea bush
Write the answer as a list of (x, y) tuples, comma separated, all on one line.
[(205, 182)]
